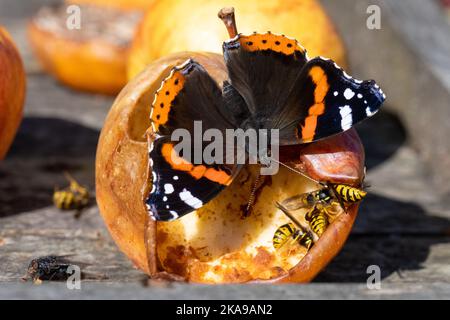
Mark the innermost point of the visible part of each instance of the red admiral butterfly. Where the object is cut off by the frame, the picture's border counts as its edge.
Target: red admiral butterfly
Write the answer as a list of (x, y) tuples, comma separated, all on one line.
[(272, 85)]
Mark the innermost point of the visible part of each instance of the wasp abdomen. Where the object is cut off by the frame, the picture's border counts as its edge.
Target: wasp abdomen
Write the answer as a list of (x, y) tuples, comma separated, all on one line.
[(318, 221), (289, 231), (282, 235), (349, 194)]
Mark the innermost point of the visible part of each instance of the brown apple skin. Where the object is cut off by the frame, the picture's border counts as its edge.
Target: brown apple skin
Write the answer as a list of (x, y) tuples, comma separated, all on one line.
[(122, 182), (12, 91)]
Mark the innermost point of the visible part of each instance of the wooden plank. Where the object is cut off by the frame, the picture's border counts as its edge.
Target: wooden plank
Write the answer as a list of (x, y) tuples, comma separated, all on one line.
[(257, 292)]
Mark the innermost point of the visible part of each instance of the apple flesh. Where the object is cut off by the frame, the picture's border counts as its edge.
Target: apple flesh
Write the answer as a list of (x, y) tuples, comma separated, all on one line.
[(91, 58)]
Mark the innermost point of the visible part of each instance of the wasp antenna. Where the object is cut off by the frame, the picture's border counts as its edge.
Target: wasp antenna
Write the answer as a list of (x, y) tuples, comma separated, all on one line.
[(69, 177)]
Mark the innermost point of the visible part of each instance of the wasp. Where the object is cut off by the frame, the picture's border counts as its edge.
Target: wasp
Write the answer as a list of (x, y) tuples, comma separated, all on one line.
[(57, 268), (73, 197), (325, 197), (51, 268), (287, 232), (348, 194), (318, 220), (321, 203)]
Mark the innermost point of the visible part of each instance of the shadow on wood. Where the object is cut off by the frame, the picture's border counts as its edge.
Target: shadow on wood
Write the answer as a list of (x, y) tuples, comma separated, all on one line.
[(43, 149), (396, 236), (382, 136)]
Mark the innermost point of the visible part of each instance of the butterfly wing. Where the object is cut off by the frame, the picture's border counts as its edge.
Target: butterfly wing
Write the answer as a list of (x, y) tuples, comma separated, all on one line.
[(182, 183), (262, 67), (306, 99), (179, 186), (325, 101)]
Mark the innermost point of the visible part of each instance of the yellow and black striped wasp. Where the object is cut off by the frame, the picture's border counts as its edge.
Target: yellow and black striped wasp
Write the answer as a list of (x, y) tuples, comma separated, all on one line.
[(321, 202), (325, 196), (73, 197), (318, 220), (288, 232), (292, 231)]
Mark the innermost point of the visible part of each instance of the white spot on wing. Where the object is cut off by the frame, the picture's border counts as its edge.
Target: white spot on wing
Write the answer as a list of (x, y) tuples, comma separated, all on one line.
[(346, 115), (153, 182), (168, 188), (190, 200), (175, 177), (348, 93), (174, 215), (164, 198), (335, 93), (369, 112), (359, 95)]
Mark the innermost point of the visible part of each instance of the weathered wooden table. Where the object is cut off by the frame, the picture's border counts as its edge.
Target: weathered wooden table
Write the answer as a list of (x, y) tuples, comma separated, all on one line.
[(403, 226)]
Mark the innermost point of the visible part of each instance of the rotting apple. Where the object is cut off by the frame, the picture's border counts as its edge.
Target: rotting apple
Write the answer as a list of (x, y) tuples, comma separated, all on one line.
[(90, 58), (12, 91), (215, 244)]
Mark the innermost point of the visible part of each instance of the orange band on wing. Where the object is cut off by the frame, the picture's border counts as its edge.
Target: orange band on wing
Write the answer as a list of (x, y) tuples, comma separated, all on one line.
[(164, 97), (270, 41), (320, 80), (196, 171)]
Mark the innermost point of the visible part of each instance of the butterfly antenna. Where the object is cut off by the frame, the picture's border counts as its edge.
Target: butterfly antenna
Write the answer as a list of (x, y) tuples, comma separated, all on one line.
[(227, 17), (251, 199), (296, 171)]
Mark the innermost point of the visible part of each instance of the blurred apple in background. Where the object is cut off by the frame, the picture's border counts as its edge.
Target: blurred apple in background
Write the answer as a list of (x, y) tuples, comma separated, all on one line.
[(91, 57), (192, 25), (12, 91)]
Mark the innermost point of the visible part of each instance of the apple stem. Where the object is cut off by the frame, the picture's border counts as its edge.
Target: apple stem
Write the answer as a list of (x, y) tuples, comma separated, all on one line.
[(227, 16)]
